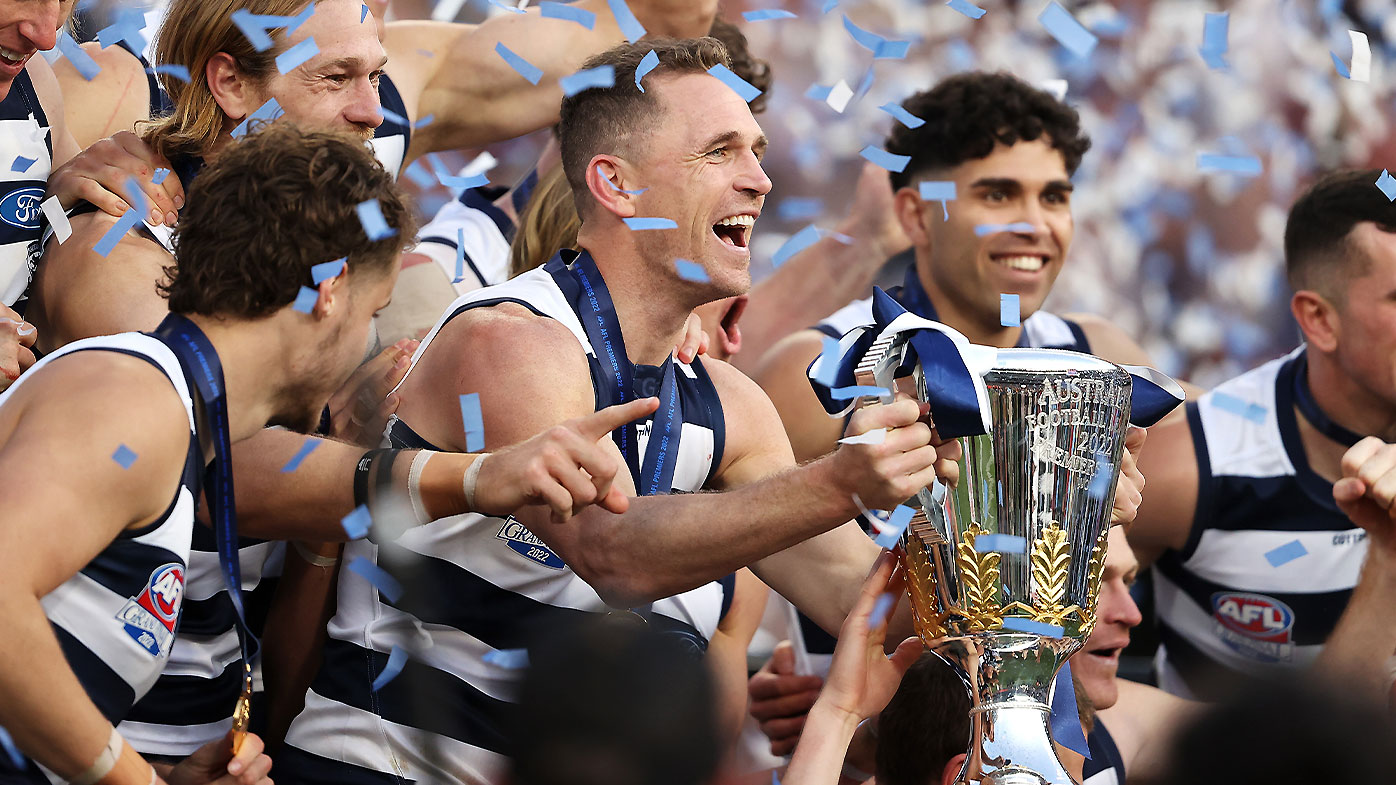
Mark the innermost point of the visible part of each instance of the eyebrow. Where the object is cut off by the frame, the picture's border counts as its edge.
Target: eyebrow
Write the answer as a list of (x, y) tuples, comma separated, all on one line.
[(1010, 184), (759, 146), (351, 63)]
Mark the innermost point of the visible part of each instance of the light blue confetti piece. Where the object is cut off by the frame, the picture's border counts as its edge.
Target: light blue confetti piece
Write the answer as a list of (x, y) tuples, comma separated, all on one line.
[(1068, 32), (419, 175), (304, 452), (135, 196), (508, 659), (253, 28), (305, 300), (767, 14), (858, 391), (903, 116), (266, 112), (691, 271), (1035, 627), (818, 92), (645, 224), (1009, 313), (1247, 165), (327, 270), (82, 62), (1239, 407), (386, 584), (296, 56), (866, 39), (160, 175), (424, 122), (22, 164), (392, 117), (647, 63), (513, 9), (827, 370), (890, 532), (124, 457), (613, 186), (397, 660), (371, 216), (587, 78), (1214, 44), (881, 608), (357, 523), (1000, 543), (128, 30), (967, 8), (570, 13), (473, 422), (829, 5), (292, 23), (630, 27), (1387, 184), (464, 183), (798, 242), (884, 159), (983, 230), (1341, 66), (1100, 479), (363, 13), (747, 91), (775, 777), (11, 750), (527, 70), (799, 208), (177, 71), (887, 50), (1286, 553), (128, 221), (937, 190), (460, 256)]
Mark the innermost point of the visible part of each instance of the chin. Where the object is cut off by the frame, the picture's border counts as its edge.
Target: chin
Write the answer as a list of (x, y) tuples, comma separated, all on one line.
[(1097, 679)]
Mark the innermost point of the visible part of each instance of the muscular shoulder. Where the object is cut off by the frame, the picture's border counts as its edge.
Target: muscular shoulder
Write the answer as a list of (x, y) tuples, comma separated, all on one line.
[(113, 100), (756, 441), (1109, 341)]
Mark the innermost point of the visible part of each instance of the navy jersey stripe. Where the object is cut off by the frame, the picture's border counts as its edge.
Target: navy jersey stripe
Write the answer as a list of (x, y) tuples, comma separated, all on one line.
[(474, 199), (1104, 754), (112, 695), (190, 700), (124, 566), (216, 615), (297, 766), (23, 101), (389, 98)]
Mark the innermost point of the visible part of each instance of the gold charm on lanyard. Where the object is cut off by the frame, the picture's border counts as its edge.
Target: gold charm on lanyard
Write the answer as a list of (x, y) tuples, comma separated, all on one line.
[(242, 712)]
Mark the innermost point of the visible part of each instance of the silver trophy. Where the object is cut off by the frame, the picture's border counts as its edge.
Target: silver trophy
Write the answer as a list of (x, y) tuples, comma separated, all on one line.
[(1004, 569)]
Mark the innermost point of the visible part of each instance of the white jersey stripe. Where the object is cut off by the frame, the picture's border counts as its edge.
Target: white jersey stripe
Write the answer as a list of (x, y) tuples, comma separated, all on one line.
[(1237, 558)]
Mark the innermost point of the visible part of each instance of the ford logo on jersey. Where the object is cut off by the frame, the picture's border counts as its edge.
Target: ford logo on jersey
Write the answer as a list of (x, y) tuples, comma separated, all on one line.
[(150, 617), (523, 542), (21, 208), (1255, 625)]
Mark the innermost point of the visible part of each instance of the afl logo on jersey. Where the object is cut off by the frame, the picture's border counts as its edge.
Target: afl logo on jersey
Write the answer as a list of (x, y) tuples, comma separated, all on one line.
[(526, 544), (21, 208), (150, 617), (1255, 625)]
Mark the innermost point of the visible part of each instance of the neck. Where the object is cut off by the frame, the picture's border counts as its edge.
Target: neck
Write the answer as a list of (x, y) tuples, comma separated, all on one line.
[(252, 370), (652, 315), (960, 314), (1346, 403)]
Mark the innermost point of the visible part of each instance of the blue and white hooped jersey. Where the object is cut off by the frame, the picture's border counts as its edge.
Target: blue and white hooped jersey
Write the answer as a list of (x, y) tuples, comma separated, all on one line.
[(472, 584), (1228, 605), (117, 618), (26, 159)]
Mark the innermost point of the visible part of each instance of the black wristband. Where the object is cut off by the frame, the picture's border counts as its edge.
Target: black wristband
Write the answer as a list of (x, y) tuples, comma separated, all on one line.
[(383, 473), (362, 470)]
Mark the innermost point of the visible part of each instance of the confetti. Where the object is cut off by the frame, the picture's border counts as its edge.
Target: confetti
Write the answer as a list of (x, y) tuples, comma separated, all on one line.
[(82, 62), (1239, 407), (691, 271), (630, 27), (419, 175), (266, 112), (1286, 553), (1057, 87), (829, 5), (858, 391), (397, 660), (473, 422), (22, 164), (128, 30), (828, 362), (306, 449), (527, 70), (967, 8), (1035, 627), (983, 230), (942, 191), (884, 159), (740, 86), (1100, 480), (1247, 165), (254, 27), (513, 9), (124, 456), (766, 14), (880, 609), (798, 242), (569, 13), (646, 224), (1387, 184), (1361, 70), (128, 221), (460, 256), (1010, 314), (11, 751), (613, 186), (887, 50), (386, 584), (57, 218), (371, 216), (1214, 33), (875, 436), (1068, 32), (647, 63), (159, 177), (798, 208), (903, 116), (357, 523), (327, 270), (1000, 543), (363, 13), (601, 76), (890, 532), (424, 122), (508, 659), (882, 48), (305, 300), (838, 96)]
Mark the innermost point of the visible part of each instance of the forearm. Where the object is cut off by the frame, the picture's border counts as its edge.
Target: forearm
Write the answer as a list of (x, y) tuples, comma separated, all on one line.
[(1365, 636), (295, 633), (820, 754)]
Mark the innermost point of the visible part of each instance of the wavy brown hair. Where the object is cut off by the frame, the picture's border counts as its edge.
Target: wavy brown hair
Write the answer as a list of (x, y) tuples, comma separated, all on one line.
[(272, 206)]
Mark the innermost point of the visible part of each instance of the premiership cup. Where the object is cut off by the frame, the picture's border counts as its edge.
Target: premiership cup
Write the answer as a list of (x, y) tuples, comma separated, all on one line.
[(1004, 569)]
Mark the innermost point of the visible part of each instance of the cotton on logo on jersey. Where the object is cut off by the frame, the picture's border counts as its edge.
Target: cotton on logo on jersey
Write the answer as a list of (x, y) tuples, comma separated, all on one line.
[(1255, 625), (150, 617), (526, 544)]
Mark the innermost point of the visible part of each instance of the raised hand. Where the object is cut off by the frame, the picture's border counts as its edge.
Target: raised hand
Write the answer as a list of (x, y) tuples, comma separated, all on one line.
[(1129, 489), (215, 764), (909, 457), (360, 408), (1366, 493), (780, 699)]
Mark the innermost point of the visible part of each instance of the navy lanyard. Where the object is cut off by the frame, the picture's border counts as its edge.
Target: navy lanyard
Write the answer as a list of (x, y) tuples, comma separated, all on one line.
[(913, 297), (1304, 399), (597, 313), (201, 366)]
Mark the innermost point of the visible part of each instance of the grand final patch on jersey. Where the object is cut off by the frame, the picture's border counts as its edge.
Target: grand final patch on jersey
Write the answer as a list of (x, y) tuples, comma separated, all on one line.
[(150, 617), (1254, 625), (526, 544)]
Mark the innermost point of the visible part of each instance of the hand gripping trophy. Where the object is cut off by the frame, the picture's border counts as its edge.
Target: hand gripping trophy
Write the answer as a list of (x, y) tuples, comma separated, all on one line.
[(1004, 569)]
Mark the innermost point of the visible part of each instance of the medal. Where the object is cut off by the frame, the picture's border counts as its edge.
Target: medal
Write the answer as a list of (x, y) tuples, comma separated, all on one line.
[(242, 712)]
